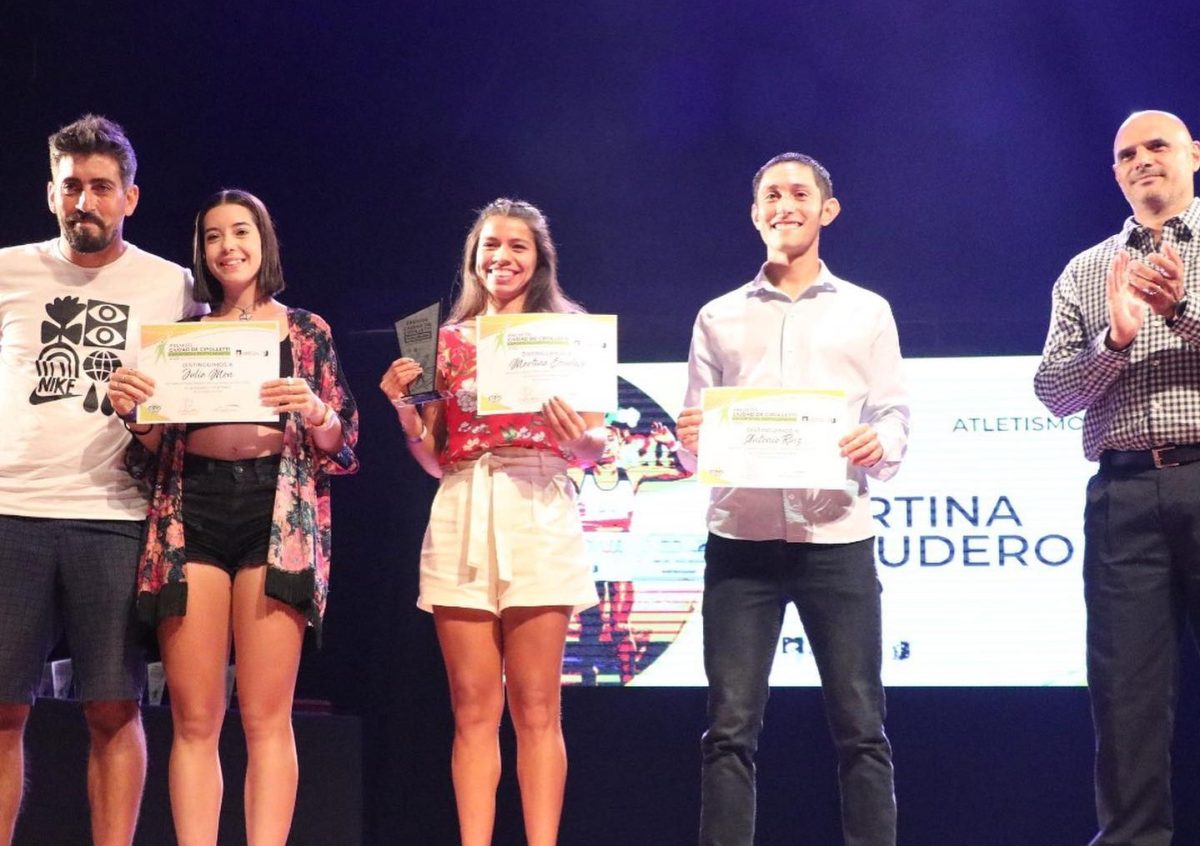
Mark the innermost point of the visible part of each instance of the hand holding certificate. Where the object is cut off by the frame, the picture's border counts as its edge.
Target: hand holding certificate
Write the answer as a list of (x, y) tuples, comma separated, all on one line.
[(772, 438), (208, 372), (522, 360)]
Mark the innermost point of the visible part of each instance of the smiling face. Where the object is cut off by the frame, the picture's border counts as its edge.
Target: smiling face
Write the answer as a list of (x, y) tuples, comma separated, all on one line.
[(1155, 161), (232, 247), (91, 204), (505, 261), (789, 211)]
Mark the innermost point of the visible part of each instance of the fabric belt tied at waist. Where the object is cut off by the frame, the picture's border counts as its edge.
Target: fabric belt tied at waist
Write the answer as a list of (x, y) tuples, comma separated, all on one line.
[(1135, 461), (484, 544), (482, 536)]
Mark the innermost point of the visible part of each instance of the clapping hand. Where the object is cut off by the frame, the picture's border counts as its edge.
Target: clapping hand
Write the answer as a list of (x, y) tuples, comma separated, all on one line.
[(1157, 280)]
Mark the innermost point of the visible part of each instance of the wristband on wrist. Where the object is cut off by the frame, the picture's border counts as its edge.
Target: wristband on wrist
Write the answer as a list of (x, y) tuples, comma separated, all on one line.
[(326, 417), (136, 432), (417, 438), (328, 420)]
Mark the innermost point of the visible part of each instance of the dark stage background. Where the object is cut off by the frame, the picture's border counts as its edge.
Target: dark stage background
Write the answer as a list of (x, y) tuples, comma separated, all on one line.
[(970, 145)]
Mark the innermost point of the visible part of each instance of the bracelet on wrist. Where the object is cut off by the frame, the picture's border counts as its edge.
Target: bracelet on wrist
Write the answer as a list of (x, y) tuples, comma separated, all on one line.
[(416, 439), (136, 432), (327, 420)]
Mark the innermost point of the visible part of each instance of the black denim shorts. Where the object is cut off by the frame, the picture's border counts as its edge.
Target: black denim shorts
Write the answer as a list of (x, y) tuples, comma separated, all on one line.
[(227, 509)]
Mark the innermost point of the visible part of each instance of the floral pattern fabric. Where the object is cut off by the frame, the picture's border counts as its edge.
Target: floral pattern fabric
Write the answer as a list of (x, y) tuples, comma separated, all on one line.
[(298, 555), (468, 436)]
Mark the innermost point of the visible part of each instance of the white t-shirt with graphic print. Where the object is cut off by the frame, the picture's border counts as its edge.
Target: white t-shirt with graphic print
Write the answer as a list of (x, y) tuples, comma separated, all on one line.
[(63, 330)]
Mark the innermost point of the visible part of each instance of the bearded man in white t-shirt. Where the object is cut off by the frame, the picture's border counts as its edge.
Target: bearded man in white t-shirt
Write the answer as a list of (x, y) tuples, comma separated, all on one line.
[(71, 518)]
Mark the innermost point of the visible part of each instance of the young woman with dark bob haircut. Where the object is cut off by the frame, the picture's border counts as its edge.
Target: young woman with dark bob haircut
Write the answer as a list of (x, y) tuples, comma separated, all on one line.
[(238, 539), (503, 564)]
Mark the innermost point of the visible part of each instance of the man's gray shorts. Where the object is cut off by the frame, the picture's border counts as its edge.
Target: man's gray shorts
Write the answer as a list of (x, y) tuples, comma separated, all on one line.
[(77, 577)]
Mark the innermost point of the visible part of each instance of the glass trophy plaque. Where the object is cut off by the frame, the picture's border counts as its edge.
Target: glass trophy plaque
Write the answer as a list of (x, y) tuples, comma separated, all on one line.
[(418, 337)]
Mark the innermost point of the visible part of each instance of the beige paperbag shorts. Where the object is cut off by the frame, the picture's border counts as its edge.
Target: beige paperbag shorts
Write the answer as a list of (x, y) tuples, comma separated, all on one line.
[(504, 531)]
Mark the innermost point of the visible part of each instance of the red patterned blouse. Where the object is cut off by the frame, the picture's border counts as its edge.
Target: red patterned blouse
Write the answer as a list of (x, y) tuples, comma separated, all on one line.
[(469, 435)]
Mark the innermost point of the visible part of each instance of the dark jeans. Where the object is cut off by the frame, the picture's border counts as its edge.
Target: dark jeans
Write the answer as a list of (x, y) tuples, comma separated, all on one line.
[(747, 585), (1141, 574)]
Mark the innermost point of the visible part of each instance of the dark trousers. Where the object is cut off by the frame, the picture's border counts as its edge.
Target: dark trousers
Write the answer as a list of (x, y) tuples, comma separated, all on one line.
[(747, 585), (1141, 575)]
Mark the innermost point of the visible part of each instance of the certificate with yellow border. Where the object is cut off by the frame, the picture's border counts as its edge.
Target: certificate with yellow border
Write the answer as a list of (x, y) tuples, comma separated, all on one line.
[(208, 371), (522, 360), (772, 438)]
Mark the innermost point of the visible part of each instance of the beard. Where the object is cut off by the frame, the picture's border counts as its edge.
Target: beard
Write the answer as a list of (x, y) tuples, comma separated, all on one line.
[(83, 239), (1154, 197)]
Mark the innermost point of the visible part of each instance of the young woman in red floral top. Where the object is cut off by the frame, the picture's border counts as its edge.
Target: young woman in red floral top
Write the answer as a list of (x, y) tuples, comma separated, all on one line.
[(503, 564), (238, 535)]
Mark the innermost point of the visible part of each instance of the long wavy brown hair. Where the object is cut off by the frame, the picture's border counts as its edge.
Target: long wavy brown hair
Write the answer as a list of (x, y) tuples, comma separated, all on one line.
[(544, 292)]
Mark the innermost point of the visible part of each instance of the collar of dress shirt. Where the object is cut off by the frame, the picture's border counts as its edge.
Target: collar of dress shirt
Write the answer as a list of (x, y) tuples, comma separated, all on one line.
[(1186, 226), (761, 285)]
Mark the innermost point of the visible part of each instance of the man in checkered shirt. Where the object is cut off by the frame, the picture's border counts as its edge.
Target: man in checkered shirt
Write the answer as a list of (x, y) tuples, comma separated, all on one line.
[(1124, 347)]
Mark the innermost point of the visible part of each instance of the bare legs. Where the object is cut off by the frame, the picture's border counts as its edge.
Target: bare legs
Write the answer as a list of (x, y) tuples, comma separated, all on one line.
[(12, 766), (195, 651), (268, 636), (533, 641), (471, 648), (116, 769), (524, 647)]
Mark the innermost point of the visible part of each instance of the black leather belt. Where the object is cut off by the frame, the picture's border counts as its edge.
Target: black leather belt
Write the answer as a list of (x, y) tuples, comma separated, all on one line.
[(1135, 461)]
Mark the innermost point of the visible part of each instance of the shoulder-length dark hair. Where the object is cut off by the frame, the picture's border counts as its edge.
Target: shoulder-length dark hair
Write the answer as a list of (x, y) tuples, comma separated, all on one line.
[(270, 275), (543, 294)]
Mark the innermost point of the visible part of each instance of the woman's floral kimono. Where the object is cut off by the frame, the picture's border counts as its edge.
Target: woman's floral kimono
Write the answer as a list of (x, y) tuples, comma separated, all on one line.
[(298, 555)]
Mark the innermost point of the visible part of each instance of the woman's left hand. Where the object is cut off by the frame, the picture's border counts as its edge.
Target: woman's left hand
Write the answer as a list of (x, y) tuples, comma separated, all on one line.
[(571, 430), (292, 394), (564, 421)]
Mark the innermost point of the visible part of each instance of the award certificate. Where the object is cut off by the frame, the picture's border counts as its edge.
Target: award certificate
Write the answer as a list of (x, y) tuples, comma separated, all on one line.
[(772, 438), (522, 360), (208, 372)]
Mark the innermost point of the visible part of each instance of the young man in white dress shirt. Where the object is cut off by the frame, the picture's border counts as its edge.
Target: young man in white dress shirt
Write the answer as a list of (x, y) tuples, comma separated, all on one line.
[(797, 325)]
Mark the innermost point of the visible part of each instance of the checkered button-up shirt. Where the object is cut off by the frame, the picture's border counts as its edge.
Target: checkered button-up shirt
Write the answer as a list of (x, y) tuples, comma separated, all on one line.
[(1142, 397)]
